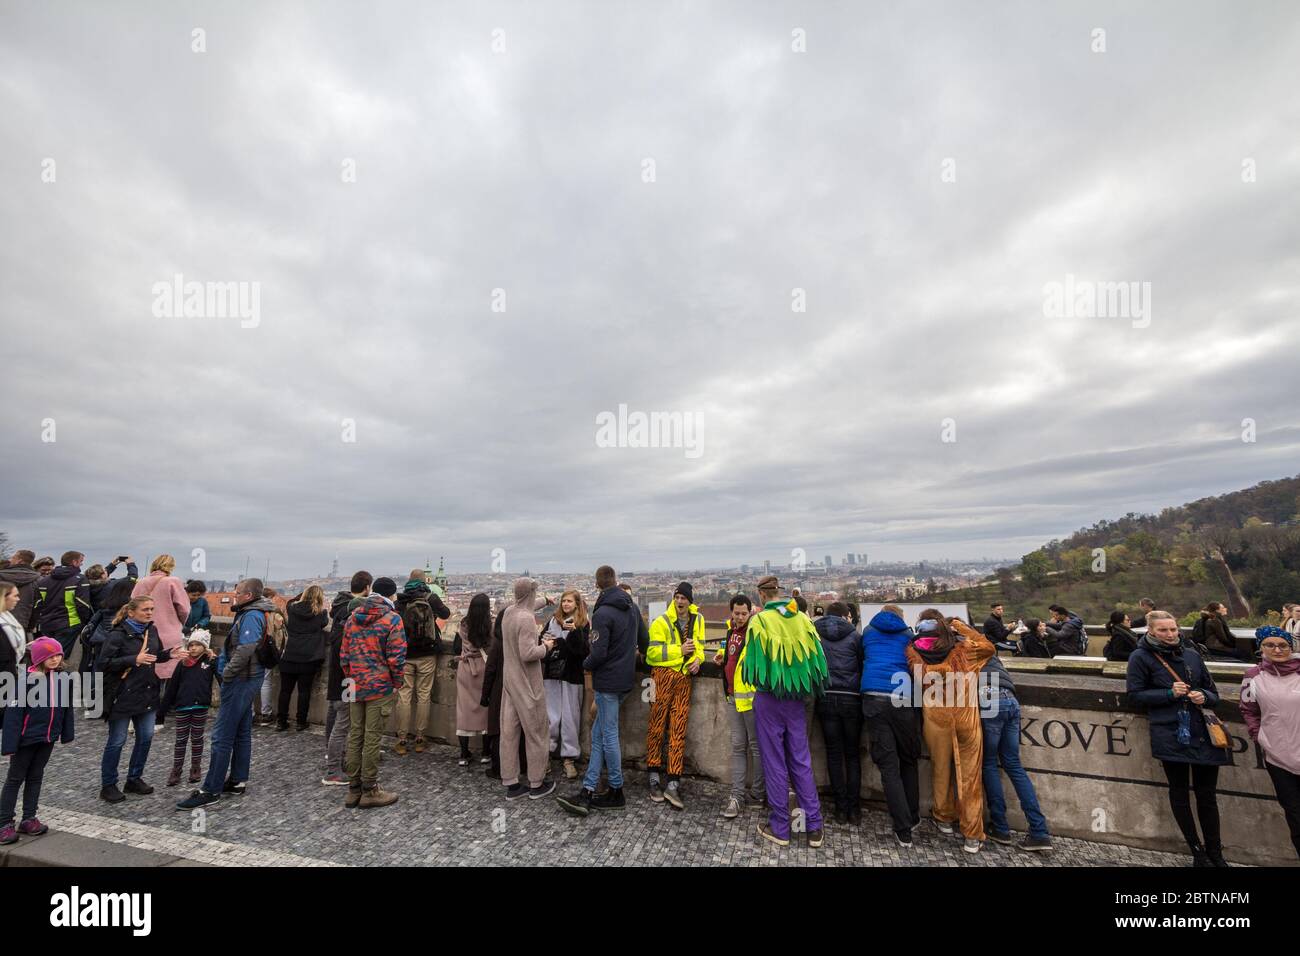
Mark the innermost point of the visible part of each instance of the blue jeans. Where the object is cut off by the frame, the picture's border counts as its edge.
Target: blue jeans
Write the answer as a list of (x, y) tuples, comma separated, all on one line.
[(232, 737), (605, 750), (1002, 745), (117, 740)]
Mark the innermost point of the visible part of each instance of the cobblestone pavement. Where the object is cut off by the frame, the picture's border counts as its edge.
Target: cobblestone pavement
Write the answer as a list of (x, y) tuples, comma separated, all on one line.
[(449, 815)]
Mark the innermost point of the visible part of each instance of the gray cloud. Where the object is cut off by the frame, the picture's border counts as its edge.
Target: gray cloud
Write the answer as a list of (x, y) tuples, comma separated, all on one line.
[(522, 170)]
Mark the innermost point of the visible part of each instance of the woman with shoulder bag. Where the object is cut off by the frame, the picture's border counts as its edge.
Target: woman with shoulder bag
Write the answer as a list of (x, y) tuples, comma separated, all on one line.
[(1172, 682), (130, 657), (471, 646), (562, 677)]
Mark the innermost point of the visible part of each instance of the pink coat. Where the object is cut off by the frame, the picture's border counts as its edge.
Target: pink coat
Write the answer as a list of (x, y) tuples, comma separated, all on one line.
[(171, 606)]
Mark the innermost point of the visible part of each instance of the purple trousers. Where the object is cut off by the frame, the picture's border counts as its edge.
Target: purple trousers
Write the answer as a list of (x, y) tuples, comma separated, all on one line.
[(783, 747)]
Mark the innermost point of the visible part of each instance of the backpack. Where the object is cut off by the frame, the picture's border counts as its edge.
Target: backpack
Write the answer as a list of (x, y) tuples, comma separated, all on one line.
[(270, 647), (417, 621)]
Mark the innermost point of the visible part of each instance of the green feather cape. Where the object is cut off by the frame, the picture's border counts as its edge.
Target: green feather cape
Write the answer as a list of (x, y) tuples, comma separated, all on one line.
[(783, 654)]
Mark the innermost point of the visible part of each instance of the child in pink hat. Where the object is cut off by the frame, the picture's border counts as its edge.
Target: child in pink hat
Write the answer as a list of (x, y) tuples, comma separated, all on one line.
[(40, 716)]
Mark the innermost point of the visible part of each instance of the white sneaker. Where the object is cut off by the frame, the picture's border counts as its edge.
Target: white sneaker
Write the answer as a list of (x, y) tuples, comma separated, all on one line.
[(972, 845), (732, 809), (943, 827)]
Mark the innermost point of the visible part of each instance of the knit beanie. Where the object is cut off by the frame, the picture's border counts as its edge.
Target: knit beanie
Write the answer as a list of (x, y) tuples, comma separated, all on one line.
[(42, 649), (1269, 630), (386, 587), (199, 636), (685, 590)]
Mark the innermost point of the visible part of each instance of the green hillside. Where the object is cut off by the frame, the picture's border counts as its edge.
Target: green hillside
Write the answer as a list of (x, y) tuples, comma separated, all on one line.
[(1241, 548)]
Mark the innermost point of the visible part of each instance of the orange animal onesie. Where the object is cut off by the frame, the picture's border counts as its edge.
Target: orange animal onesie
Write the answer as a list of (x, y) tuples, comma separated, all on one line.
[(952, 729)]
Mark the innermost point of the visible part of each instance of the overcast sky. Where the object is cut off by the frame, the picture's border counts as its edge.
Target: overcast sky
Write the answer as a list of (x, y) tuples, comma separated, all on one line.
[(921, 171)]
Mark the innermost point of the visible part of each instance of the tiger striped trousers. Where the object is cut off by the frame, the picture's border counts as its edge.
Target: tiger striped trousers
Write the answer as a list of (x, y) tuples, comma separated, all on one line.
[(669, 711)]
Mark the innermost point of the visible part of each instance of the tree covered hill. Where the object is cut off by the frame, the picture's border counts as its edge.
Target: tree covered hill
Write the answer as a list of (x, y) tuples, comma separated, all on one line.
[(1241, 548)]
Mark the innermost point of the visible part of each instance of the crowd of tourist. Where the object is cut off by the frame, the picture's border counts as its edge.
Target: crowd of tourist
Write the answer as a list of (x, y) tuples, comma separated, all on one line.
[(521, 686)]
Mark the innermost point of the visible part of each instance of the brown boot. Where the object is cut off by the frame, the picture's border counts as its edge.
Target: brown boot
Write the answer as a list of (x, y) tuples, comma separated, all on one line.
[(375, 797), (174, 777), (196, 771), (353, 798), (420, 745), (400, 747)]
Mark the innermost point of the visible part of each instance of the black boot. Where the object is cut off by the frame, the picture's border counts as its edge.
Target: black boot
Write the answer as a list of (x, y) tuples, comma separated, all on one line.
[(578, 804), (1200, 858), (1215, 854), (611, 799)]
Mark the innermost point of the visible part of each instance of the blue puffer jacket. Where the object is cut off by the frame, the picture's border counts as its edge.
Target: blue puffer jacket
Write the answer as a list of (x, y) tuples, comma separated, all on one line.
[(884, 655), (26, 726), (843, 654)]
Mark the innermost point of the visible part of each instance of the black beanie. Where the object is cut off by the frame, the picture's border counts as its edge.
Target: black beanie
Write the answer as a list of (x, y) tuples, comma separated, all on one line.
[(685, 589), (386, 587)]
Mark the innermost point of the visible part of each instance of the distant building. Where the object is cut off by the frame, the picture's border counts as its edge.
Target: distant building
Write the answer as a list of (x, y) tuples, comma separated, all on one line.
[(438, 581), (828, 560), (849, 559), (909, 588), (767, 569)]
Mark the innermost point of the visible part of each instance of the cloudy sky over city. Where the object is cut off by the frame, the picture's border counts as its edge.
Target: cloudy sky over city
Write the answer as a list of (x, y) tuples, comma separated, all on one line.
[(827, 233)]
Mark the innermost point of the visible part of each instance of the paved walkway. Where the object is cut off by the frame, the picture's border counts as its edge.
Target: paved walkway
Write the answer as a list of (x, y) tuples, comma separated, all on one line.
[(450, 815)]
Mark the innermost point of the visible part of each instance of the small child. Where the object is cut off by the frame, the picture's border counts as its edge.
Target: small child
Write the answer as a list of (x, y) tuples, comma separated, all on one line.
[(189, 694), (30, 728)]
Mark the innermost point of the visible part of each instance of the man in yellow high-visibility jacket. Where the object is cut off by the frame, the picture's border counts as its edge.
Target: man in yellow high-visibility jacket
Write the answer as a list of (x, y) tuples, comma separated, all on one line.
[(744, 735), (674, 654)]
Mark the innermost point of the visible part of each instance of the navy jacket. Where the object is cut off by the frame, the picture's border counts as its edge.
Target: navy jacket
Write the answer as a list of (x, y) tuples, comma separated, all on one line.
[(843, 654), (1150, 685), (884, 655), (995, 629), (27, 726), (190, 686), (130, 689), (614, 632), (63, 600)]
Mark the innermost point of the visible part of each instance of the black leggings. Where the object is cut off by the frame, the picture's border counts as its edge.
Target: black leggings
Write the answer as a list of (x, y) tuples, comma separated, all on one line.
[(1287, 785), (464, 746), (1204, 780), (287, 683), (26, 770)]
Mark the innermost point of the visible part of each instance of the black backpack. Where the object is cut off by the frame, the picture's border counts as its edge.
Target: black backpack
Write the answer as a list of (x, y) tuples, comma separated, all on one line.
[(417, 622), (269, 646)]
